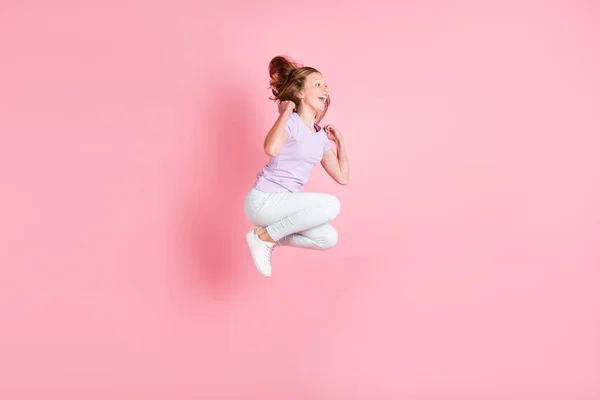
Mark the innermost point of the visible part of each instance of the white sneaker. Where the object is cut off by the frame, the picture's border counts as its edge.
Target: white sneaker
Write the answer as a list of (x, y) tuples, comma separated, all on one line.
[(261, 252)]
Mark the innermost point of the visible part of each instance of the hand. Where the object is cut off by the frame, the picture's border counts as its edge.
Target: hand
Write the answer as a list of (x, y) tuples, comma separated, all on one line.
[(333, 133), (286, 106)]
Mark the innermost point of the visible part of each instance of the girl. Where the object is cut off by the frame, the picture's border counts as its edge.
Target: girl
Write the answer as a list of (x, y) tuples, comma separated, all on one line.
[(283, 214)]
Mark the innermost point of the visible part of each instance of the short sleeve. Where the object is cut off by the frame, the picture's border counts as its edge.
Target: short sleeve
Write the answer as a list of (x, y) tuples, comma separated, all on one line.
[(291, 126), (326, 145)]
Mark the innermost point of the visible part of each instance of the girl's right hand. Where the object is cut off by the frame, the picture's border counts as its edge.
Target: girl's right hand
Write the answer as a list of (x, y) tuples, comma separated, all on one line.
[(286, 106)]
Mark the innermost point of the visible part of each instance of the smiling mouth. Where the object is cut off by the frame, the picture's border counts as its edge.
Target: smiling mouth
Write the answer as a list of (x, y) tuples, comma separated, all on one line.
[(323, 98)]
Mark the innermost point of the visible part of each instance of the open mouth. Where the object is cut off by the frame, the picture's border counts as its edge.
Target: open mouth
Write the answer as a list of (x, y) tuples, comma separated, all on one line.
[(323, 99)]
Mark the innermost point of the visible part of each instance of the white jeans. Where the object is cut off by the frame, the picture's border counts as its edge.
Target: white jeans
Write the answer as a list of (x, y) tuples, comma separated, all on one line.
[(299, 219)]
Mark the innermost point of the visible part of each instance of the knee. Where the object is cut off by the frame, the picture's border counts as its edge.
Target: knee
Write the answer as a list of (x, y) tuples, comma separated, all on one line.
[(333, 205), (330, 238)]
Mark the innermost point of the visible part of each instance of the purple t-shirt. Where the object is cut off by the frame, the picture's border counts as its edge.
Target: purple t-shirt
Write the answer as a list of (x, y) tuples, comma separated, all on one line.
[(289, 170)]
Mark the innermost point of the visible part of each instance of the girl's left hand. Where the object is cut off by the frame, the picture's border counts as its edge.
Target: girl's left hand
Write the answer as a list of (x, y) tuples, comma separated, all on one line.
[(333, 133)]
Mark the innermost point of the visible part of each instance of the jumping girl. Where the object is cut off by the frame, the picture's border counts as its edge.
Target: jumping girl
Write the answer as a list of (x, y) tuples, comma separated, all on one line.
[(276, 205)]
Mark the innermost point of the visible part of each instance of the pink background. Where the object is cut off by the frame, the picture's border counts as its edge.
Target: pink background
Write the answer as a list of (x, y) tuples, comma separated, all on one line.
[(468, 261)]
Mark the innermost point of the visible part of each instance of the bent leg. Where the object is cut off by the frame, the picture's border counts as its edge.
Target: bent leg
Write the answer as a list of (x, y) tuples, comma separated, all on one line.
[(284, 214), (321, 237)]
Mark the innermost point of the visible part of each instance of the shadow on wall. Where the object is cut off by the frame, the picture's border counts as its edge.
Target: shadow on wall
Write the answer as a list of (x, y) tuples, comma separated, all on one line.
[(224, 168)]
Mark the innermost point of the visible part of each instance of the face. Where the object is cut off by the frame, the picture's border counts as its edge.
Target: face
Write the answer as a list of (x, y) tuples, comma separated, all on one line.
[(314, 94)]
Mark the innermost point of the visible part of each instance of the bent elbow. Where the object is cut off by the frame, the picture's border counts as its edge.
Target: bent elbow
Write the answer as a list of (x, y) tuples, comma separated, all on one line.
[(270, 152), (272, 149)]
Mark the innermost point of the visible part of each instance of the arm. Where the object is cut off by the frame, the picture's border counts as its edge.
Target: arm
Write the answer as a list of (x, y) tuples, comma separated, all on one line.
[(277, 135), (336, 165)]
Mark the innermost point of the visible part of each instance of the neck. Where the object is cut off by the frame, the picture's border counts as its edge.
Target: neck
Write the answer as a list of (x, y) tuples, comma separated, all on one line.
[(308, 116)]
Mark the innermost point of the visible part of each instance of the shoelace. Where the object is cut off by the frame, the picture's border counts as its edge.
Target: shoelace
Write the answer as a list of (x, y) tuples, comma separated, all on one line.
[(268, 254)]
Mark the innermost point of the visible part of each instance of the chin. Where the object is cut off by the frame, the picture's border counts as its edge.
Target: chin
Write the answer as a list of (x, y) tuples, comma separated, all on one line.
[(319, 109)]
